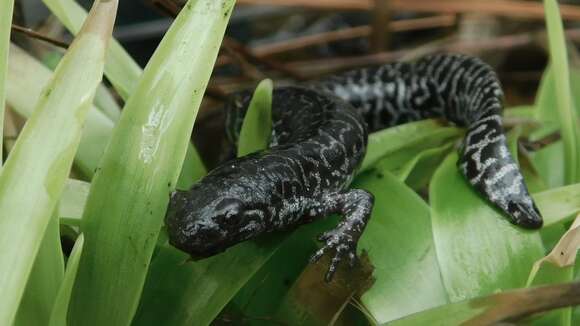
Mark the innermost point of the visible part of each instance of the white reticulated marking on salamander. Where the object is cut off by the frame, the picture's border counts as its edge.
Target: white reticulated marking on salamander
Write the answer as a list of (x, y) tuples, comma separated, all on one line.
[(318, 141)]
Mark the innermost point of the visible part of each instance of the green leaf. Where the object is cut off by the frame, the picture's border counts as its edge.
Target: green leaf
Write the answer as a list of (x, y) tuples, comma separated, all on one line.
[(34, 175), (567, 116), (61, 303), (44, 281), (425, 164), (172, 293), (72, 201), (478, 250), (497, 309), (400, 246), (107, 104), (193, 169), (120, 68), (124, 73), (546, 97), (257, 125), (264, 293), (558, 204), (421, 134), (6, 8), (26, 79), (130, 192), (549, 161), (104, 100), (167, 301), (551, 274)]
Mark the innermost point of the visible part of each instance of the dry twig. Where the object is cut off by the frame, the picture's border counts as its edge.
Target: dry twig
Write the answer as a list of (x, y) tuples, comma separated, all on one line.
[(506, 8)]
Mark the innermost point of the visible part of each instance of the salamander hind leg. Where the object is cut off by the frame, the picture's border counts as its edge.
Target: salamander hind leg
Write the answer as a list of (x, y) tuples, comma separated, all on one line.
[(489, 167), (356, 206)]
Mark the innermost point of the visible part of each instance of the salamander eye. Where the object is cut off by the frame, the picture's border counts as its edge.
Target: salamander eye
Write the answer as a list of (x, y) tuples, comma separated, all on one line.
[(230, 209)]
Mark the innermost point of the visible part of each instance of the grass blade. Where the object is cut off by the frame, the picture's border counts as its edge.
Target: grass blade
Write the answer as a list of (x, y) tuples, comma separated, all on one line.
[(6, 8), (104, 100), (478, 250), (400, 245), (124, 73), (34, 175), (565, 109), (257, 125), (26, 79), (120, 68), (107, 104), (388, 141), (129, 194), (172, 294), (558, 204), (61, 303), (44, 281), (503, 308), (72, 201)]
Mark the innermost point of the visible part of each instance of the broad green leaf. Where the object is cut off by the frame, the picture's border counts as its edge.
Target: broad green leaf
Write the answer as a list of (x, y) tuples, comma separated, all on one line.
[(549, 273), (44, 281), (567, 117), (257, 125), (400, 246), (193, 169), (104, 100), (497, 309), (130, 191), (422, 133), (72, 201), (6, 8), (34, 175), (124, 73), (418, 171), (26, 79), (107, 104), (264, 292), (558, 205), (534, 180), (312, 302), (478, 250), (171, 294), (546, 97), (402, 162), (61, 303), (120, 68), (524, 112), (549, 161), (193, 293)]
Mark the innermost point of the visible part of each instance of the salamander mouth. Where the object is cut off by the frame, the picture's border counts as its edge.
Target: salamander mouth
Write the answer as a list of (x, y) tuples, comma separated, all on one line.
[(527, 216), (197, 251)]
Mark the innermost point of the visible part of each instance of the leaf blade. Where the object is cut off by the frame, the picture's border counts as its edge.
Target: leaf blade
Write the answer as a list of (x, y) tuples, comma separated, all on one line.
[(142, 164), (257, 125), (44, 154)]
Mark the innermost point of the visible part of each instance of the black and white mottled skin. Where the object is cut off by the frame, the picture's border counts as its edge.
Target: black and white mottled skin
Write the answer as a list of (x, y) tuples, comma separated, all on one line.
[(318, 141)]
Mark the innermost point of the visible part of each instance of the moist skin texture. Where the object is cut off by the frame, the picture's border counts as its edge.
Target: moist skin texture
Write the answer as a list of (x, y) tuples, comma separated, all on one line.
[(318, 141)]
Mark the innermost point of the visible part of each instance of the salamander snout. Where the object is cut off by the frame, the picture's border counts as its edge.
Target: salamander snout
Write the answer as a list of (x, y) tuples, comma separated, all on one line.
[(201, 225), (525, 215)]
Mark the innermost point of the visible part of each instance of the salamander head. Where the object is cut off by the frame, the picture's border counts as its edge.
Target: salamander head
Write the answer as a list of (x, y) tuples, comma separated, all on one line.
[(208, 219)]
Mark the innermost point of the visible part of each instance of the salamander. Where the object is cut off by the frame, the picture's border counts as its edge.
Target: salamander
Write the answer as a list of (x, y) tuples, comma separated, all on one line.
[(319, 139)]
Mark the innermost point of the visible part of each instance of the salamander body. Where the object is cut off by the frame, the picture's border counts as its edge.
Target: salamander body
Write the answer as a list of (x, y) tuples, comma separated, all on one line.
[(318, 141)]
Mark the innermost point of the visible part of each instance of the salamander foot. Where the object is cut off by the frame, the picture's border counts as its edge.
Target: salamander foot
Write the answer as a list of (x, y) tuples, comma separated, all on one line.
[(356, 206)]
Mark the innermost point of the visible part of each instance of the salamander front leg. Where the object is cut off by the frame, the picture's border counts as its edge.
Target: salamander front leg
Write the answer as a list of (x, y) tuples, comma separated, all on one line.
[(356, 206)]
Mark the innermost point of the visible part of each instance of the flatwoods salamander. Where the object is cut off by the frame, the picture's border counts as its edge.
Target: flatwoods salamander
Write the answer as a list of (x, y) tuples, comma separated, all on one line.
[(318, 141)]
